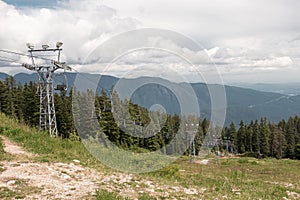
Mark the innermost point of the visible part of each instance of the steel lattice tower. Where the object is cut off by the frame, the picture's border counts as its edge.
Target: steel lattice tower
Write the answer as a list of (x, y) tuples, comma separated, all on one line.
[(191, 130), (47, 119)]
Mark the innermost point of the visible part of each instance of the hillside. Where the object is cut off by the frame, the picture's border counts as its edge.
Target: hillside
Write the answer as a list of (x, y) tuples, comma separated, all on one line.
[(282, 88), (242, 103), (35, 166)]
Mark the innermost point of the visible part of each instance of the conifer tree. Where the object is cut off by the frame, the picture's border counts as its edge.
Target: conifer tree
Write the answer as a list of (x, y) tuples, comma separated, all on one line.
[(264, 133), (232, 134), (241, 137), (290, 138), (249, 137), (255, 138)]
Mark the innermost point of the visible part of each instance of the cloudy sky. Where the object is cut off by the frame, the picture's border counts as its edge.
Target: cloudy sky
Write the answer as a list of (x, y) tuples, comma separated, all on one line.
[(248, 41)]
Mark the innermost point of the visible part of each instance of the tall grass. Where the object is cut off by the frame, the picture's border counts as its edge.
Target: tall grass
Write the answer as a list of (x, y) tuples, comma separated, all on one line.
[(106, 195), (2, 153), (48, 149)]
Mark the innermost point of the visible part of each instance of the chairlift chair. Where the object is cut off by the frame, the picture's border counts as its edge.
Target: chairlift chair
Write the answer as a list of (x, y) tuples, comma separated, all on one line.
[(63, 84), (96, 113), (121, 123), (61, 87), (107, 106), (138, 120)]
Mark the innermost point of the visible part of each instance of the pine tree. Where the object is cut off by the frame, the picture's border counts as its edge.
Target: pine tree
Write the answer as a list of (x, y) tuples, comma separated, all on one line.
[(31, 104), (233, 134), (278, 142), (205, 126), (264, 133), (249, 137), (9, 96), (297, 152), (290, 138), (241, 137), (19, 102), (2, 95), (255, 138)]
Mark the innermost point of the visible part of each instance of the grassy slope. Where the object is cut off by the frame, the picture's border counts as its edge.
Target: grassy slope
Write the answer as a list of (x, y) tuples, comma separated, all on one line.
[(2, 153), (235, 178), (241, 178), (48, 148)]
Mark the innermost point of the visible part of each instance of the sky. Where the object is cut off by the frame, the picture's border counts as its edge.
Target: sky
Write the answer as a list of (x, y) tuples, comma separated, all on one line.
[(242, 41)]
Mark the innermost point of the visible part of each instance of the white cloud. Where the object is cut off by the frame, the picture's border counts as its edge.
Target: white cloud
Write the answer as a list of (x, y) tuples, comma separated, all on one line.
[(271, 62), (80, 26), (247, 36), (211, 18), (241, 37)]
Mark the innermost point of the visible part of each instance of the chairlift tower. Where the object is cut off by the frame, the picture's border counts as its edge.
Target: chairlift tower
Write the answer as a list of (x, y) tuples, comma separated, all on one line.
[(191, 131), (47, 120)]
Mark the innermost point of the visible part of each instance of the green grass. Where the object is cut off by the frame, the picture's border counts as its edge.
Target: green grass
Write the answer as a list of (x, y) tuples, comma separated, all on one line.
[(49, 149), (146, 197), (106, 195), (6, 193), (21, 189), (3, 154), (235, 178)]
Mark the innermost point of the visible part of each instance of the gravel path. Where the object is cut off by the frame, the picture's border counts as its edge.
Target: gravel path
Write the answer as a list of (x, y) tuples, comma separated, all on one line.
[(72, 181)]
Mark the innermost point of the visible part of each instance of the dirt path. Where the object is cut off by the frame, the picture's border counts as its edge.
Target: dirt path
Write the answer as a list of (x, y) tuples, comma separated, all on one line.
[(12, 148), (72, 181), (47, 180)]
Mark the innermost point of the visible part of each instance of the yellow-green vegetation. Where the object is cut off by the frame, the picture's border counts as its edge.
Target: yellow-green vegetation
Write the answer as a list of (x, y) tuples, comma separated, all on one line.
[(48, 149), (227, 178), (106, 195), (3, 155), (21, 189), (132, 162), (236, 178)]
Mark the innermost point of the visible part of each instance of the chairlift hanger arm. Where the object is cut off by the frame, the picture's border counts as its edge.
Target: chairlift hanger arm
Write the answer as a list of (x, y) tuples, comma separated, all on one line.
[(28, 66), (62, 65)]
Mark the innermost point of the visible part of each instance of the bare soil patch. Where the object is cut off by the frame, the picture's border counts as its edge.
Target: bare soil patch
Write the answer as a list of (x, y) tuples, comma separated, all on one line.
[(38, 180)]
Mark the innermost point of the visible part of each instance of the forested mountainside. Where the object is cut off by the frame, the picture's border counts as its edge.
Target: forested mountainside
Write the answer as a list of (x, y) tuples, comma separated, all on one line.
[(260, 138)]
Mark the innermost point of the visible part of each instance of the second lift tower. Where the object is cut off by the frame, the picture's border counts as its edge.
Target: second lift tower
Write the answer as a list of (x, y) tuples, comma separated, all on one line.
[(47, 120)]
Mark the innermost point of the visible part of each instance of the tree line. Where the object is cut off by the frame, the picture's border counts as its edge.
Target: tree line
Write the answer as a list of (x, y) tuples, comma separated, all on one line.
[(265, 139), (259, 138)]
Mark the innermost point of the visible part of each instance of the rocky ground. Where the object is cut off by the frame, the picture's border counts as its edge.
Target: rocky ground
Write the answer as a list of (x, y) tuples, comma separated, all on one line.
[(22, 175)]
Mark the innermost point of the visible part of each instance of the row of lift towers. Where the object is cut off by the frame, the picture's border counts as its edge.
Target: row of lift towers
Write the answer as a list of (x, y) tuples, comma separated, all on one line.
[(47, 118)]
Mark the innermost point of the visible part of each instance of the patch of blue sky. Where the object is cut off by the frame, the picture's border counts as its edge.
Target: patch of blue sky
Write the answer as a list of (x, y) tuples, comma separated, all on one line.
[(32, 3)]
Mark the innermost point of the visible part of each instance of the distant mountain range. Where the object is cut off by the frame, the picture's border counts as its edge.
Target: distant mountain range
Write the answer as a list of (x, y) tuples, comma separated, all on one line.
[(282, 88), (242, 103)]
